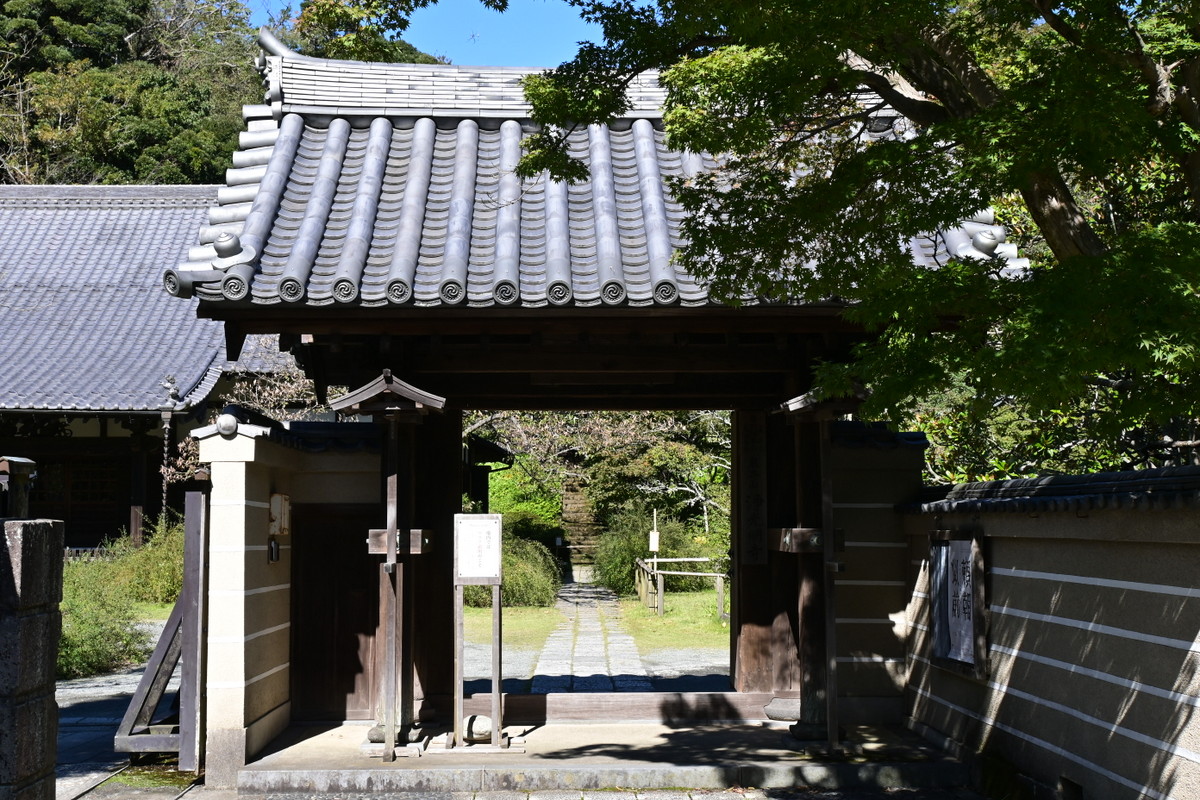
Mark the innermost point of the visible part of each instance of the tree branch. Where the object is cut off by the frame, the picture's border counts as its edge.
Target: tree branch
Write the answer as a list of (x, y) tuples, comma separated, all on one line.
[(1057, 23), (896, 92), (1058, 216), (963, 65)]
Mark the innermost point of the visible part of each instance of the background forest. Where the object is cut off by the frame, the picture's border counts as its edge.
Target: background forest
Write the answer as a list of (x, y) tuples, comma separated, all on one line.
[(146, 91)]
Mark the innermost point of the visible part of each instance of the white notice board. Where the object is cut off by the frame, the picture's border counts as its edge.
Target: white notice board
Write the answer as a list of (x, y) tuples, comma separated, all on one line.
[(477, 549)]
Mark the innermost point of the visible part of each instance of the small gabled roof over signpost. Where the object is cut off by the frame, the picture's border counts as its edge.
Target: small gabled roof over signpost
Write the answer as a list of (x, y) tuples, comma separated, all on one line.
[(387, 395)]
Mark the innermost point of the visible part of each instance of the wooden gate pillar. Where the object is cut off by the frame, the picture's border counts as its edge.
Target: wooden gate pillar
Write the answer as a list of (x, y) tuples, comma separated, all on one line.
[(810, 600), (400, 406), (438, 482), (767, 618)]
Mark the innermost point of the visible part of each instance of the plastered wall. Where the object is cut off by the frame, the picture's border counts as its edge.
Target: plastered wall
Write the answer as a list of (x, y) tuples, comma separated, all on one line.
[(1092, 662), (249, 594)]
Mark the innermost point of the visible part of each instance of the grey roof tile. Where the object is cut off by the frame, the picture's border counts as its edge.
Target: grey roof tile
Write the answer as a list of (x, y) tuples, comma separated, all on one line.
[(82, 312), (394, 183)]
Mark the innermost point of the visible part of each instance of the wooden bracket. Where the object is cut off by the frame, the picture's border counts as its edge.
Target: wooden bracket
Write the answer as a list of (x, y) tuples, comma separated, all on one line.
[(795, 540), (420, 542)]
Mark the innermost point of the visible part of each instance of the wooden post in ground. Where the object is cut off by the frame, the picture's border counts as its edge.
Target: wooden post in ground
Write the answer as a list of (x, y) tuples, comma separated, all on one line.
[(662, 591), (194, 596)]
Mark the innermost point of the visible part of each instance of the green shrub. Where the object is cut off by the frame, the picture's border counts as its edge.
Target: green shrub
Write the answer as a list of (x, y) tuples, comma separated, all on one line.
[(99, 631), (531, 576), (154, 571), (514, 491), (528, 525), (627, 538)]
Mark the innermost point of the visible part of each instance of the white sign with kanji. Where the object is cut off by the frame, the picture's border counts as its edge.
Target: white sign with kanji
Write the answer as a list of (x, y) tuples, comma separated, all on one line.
[(477, 548)]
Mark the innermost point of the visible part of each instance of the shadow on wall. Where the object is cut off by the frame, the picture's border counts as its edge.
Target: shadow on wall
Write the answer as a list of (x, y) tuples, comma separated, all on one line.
[(1092, 681)]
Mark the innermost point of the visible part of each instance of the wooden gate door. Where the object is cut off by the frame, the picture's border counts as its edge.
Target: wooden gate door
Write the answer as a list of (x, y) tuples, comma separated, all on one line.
[(335, 612)]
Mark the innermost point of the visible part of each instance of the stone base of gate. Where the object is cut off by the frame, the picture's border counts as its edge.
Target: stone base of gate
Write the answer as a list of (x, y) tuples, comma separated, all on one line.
[(588, 756)]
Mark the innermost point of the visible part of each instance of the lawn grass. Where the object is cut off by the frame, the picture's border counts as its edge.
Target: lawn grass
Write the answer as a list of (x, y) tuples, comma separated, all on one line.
[(525, 628), (152, 612), (690, 622)]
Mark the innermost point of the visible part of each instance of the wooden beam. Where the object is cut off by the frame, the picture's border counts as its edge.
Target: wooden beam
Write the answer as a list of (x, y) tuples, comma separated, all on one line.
[(408, 320), (668, 707), (626, 358)]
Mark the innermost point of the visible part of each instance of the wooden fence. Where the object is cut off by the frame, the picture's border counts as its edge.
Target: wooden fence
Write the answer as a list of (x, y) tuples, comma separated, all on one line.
[(651, 582), (86, 554)]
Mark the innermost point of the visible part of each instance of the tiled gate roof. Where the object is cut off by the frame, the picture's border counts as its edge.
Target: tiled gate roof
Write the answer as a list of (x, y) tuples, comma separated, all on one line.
[(394, 184)]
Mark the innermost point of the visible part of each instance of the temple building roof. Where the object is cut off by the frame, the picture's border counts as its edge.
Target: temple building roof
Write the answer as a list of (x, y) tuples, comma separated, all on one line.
[(379, 185), (84, 325)]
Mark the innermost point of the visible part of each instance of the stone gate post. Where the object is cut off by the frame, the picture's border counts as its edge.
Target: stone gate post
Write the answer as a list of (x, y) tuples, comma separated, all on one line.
[(30, 625)]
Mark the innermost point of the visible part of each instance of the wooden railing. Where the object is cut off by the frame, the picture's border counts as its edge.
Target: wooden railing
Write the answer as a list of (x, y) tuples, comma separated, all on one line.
[(651, 582)]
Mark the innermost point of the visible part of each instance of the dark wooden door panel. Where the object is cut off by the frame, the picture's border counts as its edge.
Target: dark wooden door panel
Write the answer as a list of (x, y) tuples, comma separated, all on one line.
[(335, 612)]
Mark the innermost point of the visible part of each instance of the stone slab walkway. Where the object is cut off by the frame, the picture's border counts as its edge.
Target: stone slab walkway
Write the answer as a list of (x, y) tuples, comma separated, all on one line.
[(590, 651)]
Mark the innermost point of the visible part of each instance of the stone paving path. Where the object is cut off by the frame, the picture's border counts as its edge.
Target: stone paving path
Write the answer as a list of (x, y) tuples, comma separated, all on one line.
[(590, 651)]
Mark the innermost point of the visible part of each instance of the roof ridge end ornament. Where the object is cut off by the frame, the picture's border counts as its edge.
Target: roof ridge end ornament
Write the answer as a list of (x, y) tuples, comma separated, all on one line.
[(272, 45), (233, 268), (387, 395), (816, 406)]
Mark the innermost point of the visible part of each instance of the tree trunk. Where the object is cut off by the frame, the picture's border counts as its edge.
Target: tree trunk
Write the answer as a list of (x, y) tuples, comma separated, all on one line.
[(1060, 219)]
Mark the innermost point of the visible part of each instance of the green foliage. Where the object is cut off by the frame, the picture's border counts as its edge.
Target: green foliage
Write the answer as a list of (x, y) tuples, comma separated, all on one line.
[(362, 30), (516, 492), (1076, 121), (972, 439), (99, 631), (531, 576), (526, 525), (132, 123), (153, 573), (627, 538), (679, 462), (46, 33), (141, 93)]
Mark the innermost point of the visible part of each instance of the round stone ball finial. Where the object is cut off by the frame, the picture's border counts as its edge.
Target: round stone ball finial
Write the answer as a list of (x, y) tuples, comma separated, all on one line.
[(227, 424), (227, 244)]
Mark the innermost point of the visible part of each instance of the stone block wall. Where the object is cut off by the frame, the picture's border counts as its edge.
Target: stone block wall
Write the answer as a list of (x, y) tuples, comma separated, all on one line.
[(30, 591)]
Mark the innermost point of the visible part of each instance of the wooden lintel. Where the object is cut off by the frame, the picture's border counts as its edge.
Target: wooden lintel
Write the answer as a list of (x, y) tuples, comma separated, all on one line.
[(794, 540), (406, 320), (420, 542)]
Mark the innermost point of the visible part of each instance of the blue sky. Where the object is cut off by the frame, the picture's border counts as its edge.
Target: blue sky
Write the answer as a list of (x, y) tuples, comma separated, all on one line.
[(531, 33)]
